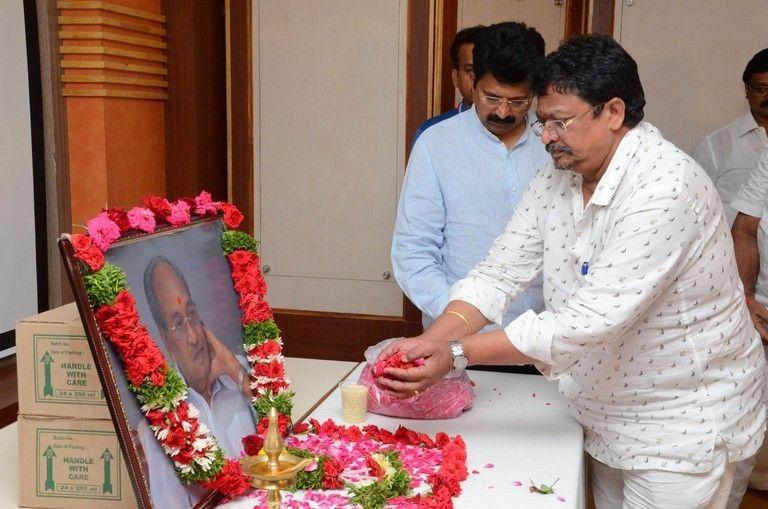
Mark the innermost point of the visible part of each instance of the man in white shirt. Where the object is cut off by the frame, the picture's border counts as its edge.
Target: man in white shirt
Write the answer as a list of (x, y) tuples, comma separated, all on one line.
[(750, 238), (217, 381), (730, 153), (645, 326)]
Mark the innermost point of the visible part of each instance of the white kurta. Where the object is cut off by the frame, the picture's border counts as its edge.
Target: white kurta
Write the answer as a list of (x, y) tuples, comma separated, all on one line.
[(729, 155), (653, 348)]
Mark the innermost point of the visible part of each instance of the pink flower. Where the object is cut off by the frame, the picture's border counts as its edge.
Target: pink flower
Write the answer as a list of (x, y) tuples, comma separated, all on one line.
[(204, 205), (561, 499), (142, 219), (516, 483), (488, 465), (103, 231), (179, 213)]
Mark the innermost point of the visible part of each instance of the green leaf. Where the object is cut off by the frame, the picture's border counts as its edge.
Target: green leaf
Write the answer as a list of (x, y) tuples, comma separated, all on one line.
[(256, 333), (232, 240), (312, 480), (283, 402), (376, 494), (103, 286), (163, 397)]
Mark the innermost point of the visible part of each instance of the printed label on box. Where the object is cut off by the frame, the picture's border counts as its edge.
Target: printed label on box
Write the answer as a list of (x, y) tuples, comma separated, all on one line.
[(64, 371), (77, 464)]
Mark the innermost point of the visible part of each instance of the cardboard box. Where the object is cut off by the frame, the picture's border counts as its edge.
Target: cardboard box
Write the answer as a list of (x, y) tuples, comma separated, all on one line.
[(66, 463), (57, 375)]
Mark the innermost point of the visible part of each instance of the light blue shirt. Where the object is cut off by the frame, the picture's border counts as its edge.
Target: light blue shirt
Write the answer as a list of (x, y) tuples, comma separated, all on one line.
[(461, 187)]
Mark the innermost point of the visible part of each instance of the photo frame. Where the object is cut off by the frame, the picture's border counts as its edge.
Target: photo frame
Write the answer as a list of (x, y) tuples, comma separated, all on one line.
[(185, 296)]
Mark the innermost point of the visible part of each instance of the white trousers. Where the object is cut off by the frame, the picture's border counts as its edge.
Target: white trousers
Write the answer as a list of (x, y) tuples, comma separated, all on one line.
[(657, 489)]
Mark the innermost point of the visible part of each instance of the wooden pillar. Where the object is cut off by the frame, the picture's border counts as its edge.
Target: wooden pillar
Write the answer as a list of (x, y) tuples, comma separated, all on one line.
[(113, 74)]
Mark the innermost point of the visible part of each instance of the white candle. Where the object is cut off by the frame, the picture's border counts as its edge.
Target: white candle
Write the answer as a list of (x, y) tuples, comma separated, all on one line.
[(354, 402)]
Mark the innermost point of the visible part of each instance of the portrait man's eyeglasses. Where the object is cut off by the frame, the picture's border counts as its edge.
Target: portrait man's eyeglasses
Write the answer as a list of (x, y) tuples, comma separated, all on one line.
[(180, 325), (759, 89), (559, 127)]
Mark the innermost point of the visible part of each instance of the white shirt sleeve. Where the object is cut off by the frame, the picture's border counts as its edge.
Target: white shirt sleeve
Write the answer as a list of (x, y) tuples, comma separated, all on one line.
[(752, 195), (654, 238), (704, 155)]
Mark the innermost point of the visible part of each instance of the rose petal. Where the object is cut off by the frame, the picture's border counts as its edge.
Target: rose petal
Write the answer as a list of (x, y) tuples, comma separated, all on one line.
[(561, 499), (516, 483), (488, 465)]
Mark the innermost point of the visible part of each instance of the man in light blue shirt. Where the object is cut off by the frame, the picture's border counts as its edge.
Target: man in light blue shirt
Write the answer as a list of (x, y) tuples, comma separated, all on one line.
[(462, 74), (466, 175)]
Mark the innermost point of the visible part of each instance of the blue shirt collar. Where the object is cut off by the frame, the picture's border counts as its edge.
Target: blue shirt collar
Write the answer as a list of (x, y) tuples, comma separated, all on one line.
[(478, 126)]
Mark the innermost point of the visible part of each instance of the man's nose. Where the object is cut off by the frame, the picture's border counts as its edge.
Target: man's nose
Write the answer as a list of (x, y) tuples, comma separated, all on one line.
[(503, 110), (193, 336), (547, 136)]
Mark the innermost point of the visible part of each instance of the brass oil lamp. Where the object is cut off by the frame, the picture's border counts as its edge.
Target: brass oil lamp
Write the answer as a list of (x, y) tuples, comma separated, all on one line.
[(275, 470)]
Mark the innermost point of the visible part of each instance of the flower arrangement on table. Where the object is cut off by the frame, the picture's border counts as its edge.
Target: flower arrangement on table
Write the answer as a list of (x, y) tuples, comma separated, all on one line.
[(371, 467)]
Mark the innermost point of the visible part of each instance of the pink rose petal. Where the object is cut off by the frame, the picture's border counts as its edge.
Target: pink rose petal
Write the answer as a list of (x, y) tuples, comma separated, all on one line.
[(488, 465), (561, 499), (516, 483), (475, 471)]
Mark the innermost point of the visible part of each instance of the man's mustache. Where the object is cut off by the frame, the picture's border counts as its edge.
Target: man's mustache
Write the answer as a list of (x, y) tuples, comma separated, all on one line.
[(558, 147), (498, 120)]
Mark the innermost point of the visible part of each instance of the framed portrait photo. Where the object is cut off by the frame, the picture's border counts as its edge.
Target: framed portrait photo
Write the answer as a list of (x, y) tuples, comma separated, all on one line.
[(180, 281)]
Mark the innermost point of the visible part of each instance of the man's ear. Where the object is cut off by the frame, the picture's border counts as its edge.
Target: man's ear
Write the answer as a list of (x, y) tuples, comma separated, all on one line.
[(455, 78), (616, 109)]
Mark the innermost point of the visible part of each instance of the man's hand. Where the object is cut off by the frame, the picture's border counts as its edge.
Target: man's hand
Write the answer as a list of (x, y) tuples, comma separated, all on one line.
[(407, 383), (223, 362), (759, 315)]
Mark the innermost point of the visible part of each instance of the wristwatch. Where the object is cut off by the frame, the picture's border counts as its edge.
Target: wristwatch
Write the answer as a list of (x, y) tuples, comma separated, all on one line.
[(459, 359)]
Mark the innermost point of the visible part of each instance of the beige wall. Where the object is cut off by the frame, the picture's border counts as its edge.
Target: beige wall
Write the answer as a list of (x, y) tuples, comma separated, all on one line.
[(691, 54), (329, 82), (17, 214)]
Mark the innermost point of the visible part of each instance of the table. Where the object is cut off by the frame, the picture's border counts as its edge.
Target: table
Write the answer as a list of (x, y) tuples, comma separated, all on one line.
[(519, 424), (311, 378)]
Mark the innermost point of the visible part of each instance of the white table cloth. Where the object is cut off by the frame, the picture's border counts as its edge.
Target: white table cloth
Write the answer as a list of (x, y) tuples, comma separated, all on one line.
[(519, 424)]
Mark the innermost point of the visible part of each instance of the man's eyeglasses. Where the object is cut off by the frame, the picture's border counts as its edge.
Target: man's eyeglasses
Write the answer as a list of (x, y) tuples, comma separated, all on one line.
[(758, 89), (494, 102), (179, 325), (559, 127)]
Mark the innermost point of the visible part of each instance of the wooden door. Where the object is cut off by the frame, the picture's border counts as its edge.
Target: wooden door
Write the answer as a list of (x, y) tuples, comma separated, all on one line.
[(329, 87)]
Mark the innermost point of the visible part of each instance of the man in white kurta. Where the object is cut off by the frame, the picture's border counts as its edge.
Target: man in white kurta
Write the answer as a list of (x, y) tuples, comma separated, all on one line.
[(645, 326), (750, 236), (729, 153)]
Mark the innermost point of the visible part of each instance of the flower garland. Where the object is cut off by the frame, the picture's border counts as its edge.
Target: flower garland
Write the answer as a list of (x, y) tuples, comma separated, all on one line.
[(374, 467), (158, 387), (391, 465)]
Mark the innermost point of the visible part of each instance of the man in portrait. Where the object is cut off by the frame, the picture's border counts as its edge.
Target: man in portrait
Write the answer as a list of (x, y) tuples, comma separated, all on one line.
[(217, 380)]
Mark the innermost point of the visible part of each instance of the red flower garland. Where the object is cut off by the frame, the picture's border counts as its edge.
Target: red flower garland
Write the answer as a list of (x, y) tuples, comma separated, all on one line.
[(87, 251)]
